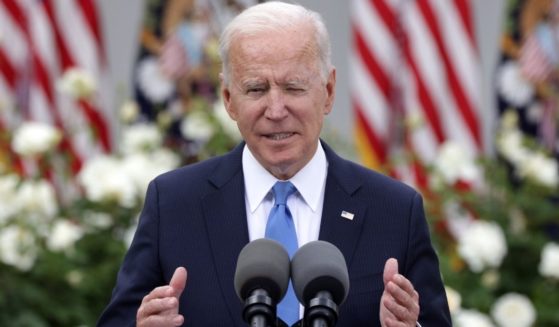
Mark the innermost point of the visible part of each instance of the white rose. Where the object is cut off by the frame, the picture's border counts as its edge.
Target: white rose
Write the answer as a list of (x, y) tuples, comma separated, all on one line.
[(549, 264), (37, 201), (454, 164), (196, 126), (142, 168), (151, 80), (229, 125), (97, 220), (471, 318), (513, 310), (454, 299), (8, 203), (18, 247), (510, 145), (63, 235), (482, 245), (540, 169), (165, 159), (512, 85), (457, 218), (141, 138), (105, 179), (34, 138), (77, 83)]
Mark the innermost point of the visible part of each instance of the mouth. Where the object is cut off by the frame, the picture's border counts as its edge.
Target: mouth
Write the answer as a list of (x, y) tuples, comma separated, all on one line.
[(279, 136)]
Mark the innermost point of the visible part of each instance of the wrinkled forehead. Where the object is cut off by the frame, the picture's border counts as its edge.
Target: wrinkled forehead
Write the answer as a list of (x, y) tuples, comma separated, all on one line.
[(274, 48)]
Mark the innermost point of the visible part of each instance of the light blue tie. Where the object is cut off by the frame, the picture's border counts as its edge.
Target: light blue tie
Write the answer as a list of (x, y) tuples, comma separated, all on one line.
[(280, 227)]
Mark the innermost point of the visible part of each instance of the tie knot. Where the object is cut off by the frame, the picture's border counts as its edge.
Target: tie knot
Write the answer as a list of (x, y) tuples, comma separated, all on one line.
[(282, 190)]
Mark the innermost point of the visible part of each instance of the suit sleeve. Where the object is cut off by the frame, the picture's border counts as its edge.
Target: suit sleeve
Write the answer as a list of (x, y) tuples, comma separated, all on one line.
[(140, 272), (422, 269)]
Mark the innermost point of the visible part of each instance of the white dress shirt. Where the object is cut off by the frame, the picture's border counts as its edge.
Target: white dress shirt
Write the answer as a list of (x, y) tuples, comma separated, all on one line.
[(305, 204)]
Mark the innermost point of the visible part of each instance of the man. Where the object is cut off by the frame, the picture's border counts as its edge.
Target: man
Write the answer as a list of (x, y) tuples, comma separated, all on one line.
[(278, 83)]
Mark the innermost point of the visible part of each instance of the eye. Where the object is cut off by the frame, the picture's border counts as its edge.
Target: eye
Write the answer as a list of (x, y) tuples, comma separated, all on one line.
[(295, 90), (255, 90)]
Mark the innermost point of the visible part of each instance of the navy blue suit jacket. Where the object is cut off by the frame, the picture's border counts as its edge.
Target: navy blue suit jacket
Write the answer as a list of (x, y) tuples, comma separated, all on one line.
[(195, 217)]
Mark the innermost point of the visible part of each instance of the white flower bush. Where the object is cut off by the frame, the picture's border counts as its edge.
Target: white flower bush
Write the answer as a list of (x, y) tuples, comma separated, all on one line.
[(33, 139), (64, 231), (549, 263), (482, 245), (124, 180), (498, 244), (513, 310)]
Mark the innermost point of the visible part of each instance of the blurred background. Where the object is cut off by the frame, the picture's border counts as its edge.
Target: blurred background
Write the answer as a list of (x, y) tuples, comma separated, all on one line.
[(487, 19), (458, 98)]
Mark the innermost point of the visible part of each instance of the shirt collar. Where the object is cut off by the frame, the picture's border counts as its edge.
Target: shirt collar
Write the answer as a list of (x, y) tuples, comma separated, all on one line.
[(258, 181)]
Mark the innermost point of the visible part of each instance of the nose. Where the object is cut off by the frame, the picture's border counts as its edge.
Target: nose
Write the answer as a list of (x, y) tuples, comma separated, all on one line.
[(276, 108)]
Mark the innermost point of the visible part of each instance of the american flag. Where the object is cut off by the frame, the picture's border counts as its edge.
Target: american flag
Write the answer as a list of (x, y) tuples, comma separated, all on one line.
[(39, 41), (415, 81)]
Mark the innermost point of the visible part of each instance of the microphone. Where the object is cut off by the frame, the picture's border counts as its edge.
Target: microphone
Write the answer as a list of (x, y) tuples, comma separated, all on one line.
[(261, 280), (321, 282)]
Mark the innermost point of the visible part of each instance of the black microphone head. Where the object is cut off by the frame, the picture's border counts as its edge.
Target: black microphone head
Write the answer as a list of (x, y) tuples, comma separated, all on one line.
[(319, 266), (262, 264)]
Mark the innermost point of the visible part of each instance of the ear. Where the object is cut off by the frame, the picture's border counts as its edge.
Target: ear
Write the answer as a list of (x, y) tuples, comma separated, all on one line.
[(226, 97), (330, 91)]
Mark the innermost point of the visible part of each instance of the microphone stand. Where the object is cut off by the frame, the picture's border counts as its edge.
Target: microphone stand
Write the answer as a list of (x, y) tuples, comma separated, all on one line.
[(259, 310), (321, 312)]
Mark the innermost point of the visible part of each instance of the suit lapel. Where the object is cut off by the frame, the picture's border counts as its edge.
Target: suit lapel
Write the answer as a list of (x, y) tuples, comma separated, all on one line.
[(342, 214), (225, 217)]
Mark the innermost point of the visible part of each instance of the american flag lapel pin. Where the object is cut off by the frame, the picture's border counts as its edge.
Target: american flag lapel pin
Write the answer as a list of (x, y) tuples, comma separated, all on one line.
[(347, 215)]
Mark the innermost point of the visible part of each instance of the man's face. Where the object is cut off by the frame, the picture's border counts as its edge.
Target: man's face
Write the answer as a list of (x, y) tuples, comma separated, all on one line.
[(278, 98)]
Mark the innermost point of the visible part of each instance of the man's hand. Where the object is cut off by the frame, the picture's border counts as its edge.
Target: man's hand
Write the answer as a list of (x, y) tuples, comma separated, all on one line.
[(399, 304), (161, 306)]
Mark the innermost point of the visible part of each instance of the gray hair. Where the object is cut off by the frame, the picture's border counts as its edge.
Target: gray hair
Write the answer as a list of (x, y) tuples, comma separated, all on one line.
[(275, 16)]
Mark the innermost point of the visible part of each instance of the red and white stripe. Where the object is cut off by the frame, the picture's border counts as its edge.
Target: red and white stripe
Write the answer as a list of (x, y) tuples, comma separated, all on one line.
[(415, 58), (39, 41)]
